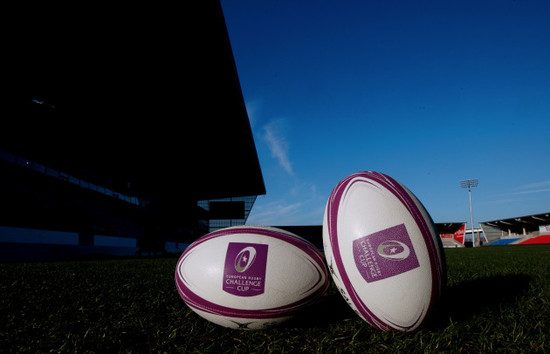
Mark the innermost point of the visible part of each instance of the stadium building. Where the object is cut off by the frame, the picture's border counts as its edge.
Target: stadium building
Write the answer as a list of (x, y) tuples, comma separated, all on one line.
[(524, 230), (531, 229), (123, 130)]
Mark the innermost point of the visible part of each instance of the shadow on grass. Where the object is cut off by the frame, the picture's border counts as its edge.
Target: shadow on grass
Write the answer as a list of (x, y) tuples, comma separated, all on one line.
[(460, 302), (467, 299), (330, 309)]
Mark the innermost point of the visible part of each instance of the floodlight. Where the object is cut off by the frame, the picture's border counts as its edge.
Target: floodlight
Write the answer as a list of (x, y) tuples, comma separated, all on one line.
[(469, 183)]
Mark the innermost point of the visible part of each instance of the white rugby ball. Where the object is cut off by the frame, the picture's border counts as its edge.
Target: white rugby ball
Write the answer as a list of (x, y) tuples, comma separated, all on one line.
[(250, 277), (383, 251)]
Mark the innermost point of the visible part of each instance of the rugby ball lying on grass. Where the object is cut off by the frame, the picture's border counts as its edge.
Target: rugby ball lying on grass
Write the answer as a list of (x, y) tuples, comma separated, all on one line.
[(383, 251), (250, 277)]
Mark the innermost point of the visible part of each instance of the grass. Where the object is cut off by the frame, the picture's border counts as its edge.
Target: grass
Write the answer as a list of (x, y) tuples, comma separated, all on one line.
[(498, 299)]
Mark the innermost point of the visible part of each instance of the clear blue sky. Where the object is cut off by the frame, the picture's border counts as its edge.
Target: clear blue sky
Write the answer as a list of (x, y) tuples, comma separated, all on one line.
[(428, 92)]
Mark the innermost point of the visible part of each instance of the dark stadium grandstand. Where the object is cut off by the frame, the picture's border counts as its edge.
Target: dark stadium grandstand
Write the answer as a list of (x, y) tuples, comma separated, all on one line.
[(116, 122)]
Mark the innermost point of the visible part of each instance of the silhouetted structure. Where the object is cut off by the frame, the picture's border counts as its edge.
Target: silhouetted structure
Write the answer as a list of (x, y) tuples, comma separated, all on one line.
[(117, 119)]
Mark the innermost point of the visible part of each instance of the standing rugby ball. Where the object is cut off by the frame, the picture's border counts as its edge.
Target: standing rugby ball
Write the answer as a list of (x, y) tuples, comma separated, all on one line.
[(250, 277), (383, 251)]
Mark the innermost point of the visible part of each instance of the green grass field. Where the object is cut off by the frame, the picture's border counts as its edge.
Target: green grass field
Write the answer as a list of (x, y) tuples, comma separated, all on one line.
[(498, 299)]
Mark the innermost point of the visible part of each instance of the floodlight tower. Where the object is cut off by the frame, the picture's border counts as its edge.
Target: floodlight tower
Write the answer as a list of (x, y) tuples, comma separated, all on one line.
[(470, 183)]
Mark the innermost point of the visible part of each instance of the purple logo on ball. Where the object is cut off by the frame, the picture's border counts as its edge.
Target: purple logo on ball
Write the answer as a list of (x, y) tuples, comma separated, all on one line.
[(393, 250), (384, 254), (244, 272), (245, 259)]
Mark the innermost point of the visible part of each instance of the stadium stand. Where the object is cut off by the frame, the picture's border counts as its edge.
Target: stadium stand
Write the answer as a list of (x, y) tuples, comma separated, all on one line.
[(536, 240), (116, 122), (523, 230), (503, 242), (452, 234), (451, 243), (492, 233)]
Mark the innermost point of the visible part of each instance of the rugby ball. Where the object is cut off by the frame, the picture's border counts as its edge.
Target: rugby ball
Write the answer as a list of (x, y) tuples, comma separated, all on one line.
[(383, 251), (250, 277)]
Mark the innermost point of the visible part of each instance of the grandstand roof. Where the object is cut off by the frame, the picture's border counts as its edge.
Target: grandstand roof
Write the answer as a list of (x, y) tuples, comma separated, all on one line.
[(448, 227), (145, 96), (142, 101), (528, 223)]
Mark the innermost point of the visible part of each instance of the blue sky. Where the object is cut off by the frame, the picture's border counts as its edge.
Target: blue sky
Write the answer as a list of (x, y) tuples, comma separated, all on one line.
[(428, 92)]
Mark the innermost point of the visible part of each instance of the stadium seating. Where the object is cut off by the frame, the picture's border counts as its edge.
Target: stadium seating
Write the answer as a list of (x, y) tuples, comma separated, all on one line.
[(536, 240), (451, 243), (504, 241)]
